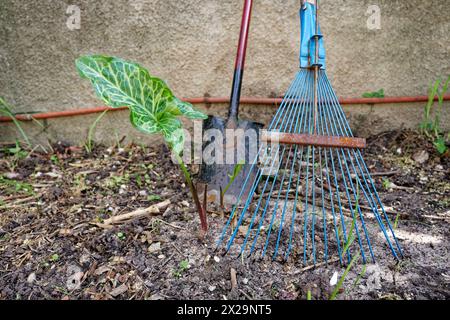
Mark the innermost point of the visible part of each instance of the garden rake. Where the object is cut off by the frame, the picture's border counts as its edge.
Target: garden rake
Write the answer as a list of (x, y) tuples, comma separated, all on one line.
[(312, 185)]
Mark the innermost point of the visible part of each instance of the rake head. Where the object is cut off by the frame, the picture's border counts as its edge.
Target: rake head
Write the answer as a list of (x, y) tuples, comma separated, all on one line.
[(313, 195)]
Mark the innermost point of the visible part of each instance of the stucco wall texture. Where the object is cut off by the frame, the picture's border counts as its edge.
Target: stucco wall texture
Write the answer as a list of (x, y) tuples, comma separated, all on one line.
[(192, 44)]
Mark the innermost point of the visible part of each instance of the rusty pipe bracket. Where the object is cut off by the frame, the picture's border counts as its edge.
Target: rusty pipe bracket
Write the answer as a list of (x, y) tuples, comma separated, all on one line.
[(313, 140)]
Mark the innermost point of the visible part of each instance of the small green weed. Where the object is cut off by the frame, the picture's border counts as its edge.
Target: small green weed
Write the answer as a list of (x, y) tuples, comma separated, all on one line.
[(153, 197), (387, 184), (13, 186), (236, 170), (113, 182), (5, 109), (431, 127), (182, 267), (55, 160), (89, 144), (375, 94)]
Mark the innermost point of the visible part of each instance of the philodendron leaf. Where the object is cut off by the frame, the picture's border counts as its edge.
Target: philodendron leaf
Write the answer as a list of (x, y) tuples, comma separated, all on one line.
[(153, 107), (188, 111)]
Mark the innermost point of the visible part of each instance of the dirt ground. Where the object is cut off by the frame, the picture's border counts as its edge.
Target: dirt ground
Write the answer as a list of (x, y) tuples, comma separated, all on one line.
[(54, 244)]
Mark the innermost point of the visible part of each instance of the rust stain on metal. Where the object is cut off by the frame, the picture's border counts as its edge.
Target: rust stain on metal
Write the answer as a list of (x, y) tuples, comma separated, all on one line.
[(314, 140)]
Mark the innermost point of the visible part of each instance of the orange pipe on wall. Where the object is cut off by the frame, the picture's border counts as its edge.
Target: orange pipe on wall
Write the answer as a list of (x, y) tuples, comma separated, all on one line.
[(220, 100)]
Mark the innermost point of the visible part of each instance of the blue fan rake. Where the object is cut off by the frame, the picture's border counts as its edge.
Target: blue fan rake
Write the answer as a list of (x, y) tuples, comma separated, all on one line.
[(313, 193)]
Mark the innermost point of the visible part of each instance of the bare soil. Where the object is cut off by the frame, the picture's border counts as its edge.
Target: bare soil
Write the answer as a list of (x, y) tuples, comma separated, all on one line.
[(51, 246)]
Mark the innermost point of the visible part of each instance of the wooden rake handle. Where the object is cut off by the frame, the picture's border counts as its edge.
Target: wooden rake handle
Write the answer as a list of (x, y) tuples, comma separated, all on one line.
[(313, 140)]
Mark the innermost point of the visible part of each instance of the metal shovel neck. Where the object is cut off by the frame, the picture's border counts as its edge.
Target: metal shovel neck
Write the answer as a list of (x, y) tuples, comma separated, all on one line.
[(240, 62)]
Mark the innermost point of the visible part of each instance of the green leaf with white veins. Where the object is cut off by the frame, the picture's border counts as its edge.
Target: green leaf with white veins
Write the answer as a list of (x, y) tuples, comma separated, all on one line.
[(153, 106), (188, 111)]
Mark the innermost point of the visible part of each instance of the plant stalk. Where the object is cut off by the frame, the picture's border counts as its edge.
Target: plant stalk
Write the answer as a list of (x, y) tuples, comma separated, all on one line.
[(201, 211)]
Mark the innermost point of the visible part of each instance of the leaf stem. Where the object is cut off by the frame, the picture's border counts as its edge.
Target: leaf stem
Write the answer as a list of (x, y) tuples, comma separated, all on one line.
[(193, 189)]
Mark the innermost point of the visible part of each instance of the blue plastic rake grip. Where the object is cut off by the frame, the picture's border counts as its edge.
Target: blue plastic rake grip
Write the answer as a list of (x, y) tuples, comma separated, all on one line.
[(307, 38)]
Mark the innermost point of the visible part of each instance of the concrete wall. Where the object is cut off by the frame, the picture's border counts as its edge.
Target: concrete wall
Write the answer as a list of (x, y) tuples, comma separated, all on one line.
[(192, 43)]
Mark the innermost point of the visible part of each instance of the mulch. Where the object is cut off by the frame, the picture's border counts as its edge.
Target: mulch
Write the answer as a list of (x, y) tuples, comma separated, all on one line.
[(53, 244)]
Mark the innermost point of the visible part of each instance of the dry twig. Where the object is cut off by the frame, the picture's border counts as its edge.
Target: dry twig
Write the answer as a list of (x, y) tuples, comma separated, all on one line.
[(137, 214), (233, 279)]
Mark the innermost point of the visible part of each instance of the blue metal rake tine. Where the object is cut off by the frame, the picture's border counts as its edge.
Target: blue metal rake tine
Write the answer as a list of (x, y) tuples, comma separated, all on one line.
[(300, 97), (256, 182), (324, 217), (276, 205), (344, 120), (375, 192), (276, 209), (355, 195), (247, 204), (289, 247), (313, 227), (273, 123), (372, 183), (368, 195), (338, 242), (270, 193), (296, 130), (321, 131), (338, 196), (291, 233), (351, 206), (332, 124), (324, 214), (256, 210), (305, 222), (265, 208), (305, 227), (264, 212), (313, 189), (285, 204)]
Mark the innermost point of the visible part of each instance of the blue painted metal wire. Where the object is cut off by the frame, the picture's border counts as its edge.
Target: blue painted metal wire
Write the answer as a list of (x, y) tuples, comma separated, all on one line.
[(309, 195)]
